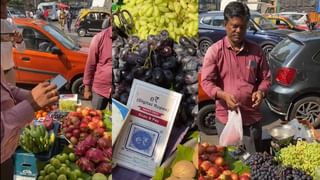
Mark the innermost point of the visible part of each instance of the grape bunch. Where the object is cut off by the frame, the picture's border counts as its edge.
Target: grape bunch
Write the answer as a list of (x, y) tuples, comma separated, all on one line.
[(303, 155), (264, 167), (57, 115), (180, 18), (160, 61)]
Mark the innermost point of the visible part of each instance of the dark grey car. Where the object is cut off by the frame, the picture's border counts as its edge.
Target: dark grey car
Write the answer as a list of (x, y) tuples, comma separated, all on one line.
[(295, 68)]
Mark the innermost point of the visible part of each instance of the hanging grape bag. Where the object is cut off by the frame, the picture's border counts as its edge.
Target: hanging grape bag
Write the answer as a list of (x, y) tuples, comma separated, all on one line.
[(232, 133)]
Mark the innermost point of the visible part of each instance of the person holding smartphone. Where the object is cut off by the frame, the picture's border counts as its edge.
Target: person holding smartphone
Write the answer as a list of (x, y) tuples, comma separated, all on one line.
[(17, 110), (10, 37)]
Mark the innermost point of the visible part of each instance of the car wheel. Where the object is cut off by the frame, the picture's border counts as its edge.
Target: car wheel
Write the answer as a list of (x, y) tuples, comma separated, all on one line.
[(267, 48), (78, 87), (204, 45), (206, 119), (307, 108), (82, 32)]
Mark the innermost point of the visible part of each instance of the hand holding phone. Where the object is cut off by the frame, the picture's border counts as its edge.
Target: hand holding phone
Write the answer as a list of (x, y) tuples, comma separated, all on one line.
[(59, 81)]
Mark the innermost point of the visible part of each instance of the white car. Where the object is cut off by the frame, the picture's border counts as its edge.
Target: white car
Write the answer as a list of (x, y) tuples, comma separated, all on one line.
[(298, 18)]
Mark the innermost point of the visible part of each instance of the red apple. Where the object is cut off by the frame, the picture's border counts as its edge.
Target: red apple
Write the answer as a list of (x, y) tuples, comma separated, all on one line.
[(213, 172), (85, 112), (243, 177), (219, 161), (234, 176), (246, 174), (225, 167), (227, 172), (204, 156), (205, 165), (220, 149), (211, 149)]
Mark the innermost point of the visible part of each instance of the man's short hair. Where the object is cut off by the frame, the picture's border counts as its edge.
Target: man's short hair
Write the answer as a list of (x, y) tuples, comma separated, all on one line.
[(236, 9)]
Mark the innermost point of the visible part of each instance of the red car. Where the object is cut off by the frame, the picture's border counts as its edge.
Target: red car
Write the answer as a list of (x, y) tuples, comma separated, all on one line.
[(48, 52)]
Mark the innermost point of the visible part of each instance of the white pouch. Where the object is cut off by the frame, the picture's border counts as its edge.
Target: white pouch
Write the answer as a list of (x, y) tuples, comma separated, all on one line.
[(232, 133)]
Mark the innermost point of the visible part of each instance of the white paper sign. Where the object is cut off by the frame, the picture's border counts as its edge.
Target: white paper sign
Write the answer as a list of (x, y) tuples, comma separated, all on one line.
[(120, 113), (144, 138)]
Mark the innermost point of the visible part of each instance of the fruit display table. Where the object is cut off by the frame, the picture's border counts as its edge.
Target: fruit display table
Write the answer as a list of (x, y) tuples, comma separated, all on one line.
[(82, 149)]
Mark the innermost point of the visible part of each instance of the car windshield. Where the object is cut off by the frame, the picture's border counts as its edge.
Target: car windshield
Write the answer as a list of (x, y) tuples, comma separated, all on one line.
[(286, 49), (262, 22), (65, 40)]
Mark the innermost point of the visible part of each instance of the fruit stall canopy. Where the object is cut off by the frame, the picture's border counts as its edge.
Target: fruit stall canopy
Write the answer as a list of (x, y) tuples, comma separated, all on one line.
[(62, 5)]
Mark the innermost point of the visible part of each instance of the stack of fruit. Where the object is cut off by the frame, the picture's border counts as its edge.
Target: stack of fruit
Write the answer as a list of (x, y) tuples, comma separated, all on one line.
[(303, 155), (61, 167), (160, 61), (95, 154), (264, 166), (44, 112), (150, 17), (36, 139), (78, 125), (212, 164)]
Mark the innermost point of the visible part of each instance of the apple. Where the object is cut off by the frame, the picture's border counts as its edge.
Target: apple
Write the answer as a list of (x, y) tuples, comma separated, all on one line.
[(79, 109), (227, 172), (246, 174), (211, 149), (85, 112), (219, 161), (213, 172), (92, 125), (234, 176), (201, 149), (243, 177), (204, 156), (225, 167), (220, 149), (205, 165)]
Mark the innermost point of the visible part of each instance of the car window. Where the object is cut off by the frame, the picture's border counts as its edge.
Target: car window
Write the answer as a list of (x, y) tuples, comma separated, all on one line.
[(286, 49), (262, 22), (207, 20), (316, 57), (64, 39), (35, 40)]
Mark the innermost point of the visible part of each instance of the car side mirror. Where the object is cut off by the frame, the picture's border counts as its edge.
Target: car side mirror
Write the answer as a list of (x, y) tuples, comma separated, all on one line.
[(56, 50)]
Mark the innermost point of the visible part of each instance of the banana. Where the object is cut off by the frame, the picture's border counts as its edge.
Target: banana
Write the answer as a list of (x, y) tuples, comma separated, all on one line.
[(163, 9), (156, 11), (183, 4)]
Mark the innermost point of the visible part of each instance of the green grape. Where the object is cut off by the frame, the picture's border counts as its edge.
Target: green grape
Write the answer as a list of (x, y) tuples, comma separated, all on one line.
[(303, 155)]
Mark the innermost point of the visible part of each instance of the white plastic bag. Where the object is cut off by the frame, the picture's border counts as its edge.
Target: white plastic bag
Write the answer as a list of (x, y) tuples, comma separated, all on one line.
[(232, 133)]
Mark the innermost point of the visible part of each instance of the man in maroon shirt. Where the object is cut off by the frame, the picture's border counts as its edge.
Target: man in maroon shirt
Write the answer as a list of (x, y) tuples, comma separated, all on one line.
[(98, 71), (235, 73)]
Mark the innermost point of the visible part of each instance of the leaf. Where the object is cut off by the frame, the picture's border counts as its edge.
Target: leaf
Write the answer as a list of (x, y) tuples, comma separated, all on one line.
[(161, 173), (183, 153), (193, 134)]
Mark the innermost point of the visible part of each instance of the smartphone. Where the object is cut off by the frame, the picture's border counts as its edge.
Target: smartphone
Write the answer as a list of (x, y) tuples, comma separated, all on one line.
[(59, 80)]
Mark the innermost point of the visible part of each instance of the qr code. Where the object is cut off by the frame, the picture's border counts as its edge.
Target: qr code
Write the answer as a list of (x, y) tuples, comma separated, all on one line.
[(142, 140)]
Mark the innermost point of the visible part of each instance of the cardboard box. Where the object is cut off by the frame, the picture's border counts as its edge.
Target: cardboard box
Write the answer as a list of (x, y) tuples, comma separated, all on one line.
[(25, 164)]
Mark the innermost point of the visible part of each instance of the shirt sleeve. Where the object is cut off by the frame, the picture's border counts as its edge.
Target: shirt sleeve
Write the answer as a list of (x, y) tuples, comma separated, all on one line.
[(92, 60), (209, 72), (19, 93), (264, 74), (15, 118)]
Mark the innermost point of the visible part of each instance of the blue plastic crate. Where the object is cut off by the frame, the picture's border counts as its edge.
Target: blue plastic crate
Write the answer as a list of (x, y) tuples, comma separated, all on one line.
[(25, 164)]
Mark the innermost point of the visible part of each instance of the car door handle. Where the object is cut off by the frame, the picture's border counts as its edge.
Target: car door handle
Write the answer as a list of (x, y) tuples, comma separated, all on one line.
[(25, 59)]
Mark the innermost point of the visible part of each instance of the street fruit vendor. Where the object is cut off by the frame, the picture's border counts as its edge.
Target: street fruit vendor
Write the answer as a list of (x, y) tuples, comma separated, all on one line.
[(17, 110), (235, 73)]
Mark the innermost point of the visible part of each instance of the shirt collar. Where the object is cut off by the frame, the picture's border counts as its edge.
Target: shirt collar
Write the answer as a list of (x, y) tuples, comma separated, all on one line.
[(228, 45)]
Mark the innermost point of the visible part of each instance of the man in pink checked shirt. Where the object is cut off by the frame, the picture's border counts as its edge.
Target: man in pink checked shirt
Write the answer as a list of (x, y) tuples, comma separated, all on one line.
[(98, 70), (235, 73)]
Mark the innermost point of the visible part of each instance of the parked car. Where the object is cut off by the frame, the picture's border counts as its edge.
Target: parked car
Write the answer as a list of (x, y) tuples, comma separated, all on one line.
[(15, 13), (260, 30), (48, 52), (295, 67), (90, 21), (206, 115), (283, 22), (298, 18)]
